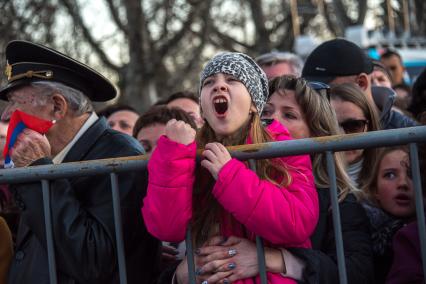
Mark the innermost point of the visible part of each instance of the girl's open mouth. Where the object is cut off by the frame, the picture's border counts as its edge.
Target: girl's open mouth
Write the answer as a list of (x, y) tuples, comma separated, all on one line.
[(403, 199), (220, 104)]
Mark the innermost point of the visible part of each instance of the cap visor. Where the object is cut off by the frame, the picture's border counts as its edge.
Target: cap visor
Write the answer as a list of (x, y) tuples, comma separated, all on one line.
[(323, 79)]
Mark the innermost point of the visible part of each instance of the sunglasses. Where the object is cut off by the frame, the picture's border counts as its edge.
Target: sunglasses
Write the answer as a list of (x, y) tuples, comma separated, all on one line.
[(321, 88), (353, 125)]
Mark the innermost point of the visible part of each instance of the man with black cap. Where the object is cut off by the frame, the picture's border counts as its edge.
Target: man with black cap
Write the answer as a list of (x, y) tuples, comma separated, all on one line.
[(46, 84), (340, 61)]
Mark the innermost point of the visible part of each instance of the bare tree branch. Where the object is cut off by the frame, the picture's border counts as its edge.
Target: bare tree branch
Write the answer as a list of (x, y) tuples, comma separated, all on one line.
[(340, 12), (262, 33), (227, 41), (167, 6), (72, 8), (165, 47), (135, 35), (330, 24), (362, 11), (287, 40), (113, 10), (203, 37)]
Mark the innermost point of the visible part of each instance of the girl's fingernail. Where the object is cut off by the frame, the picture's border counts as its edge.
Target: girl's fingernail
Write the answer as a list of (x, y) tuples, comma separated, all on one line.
[(232, 265), (197, 251), (205, 282), (198, 271), (225, 281)]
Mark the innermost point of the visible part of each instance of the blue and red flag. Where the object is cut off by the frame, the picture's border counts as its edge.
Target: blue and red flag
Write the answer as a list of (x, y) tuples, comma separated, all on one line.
[(18, 122)]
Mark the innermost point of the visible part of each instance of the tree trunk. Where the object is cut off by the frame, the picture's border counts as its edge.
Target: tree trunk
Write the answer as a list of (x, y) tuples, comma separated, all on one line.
[(138, 91)]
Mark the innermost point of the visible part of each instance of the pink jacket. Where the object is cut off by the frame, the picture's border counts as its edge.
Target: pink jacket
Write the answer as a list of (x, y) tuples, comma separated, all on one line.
[(284, 217)]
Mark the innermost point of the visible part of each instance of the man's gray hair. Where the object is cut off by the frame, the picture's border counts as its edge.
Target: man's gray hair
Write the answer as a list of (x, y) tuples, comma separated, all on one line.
[(78, 102), (275, 57)]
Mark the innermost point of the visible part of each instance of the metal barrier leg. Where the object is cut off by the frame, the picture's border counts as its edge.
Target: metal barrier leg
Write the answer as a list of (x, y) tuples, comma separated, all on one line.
[(118, 228), (190, 256), (336, 218), (49, 234), (415, 170), (259, 245), (261, 260)]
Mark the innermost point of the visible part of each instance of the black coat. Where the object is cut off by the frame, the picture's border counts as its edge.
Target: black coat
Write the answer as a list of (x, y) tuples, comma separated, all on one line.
[(383, 227), (321, 261), (82, 218)]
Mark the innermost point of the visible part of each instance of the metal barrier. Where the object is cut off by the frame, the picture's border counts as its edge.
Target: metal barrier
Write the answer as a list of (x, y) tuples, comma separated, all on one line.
[(328, 145)]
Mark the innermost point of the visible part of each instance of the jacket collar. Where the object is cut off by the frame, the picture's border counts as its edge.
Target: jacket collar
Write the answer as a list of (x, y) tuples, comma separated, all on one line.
[(86, 141), (384, 99)]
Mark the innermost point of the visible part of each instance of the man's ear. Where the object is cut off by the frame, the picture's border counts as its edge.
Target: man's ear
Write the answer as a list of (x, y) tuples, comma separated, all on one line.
[(60, 106), (363, 81)]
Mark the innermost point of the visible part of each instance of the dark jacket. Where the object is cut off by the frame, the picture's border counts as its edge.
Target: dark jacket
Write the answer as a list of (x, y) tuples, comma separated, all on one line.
[(384, 99), (6, 249), (321, 260), (395, 119), (407, 263), (383, 228), (82, 220)]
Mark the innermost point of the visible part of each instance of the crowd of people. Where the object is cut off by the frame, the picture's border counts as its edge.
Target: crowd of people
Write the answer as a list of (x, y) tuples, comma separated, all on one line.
[(225, 202)]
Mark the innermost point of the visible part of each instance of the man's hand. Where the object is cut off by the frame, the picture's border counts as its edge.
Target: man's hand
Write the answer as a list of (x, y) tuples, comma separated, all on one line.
[(29, 147), (216, 156), (180, 132)]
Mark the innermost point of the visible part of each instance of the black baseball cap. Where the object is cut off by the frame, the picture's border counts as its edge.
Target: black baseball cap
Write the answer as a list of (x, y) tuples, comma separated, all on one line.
[(334, 58), (30, 62)]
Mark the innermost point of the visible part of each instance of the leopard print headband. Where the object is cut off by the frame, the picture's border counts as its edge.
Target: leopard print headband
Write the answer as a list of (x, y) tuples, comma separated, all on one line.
[(245, 69)]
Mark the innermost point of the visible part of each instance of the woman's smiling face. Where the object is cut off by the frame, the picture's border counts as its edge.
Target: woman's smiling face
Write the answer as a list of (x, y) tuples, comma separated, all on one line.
[(225, 103)]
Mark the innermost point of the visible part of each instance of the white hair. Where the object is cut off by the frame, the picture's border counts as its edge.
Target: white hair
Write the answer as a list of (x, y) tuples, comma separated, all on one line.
[(78, 102)]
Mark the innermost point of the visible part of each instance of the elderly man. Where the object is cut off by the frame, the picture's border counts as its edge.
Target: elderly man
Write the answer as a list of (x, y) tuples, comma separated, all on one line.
[(51, 86), (277, 63)]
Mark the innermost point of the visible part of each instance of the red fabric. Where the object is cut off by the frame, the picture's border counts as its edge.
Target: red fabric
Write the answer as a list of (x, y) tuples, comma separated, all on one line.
[(32, 122)]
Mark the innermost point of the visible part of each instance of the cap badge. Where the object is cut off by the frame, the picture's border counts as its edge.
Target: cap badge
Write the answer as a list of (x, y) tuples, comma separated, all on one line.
[(320, 69), (8, 71)]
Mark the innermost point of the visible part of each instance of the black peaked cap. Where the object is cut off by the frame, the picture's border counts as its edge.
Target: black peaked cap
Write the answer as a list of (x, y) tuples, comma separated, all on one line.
[(30, 62), (335, 58)]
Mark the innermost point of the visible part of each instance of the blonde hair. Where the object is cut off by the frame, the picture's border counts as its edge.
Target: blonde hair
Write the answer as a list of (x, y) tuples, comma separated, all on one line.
[(350, 92), (321, 120), (207, 212)]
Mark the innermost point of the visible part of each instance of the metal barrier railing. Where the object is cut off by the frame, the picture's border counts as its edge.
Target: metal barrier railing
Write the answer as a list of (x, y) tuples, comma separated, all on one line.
[(329, 145)]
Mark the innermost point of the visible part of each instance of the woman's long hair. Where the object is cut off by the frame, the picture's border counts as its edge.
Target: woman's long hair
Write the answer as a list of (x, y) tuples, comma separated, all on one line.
[(207, 212), (350, 92), (321, 120)]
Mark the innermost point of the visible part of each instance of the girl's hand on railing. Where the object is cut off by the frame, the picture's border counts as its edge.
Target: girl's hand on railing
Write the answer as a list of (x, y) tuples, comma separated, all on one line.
[(180, 132), (215, 157)]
